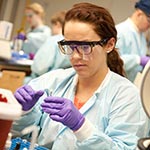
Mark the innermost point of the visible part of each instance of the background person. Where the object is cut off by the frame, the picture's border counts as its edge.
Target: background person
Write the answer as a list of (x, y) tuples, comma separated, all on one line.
[(48, 56), (57, 21), (131, 39), (92, 106), (38, 32)]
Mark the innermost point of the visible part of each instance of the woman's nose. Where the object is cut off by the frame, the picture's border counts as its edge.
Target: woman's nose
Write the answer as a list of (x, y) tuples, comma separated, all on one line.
[(76, 55)]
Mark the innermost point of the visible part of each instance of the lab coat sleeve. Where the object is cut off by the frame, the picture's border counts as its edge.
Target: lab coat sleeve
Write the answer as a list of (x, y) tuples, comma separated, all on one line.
[(38, 37), (125, 49), (32, 117), (124, 124), (35, 40), (49, 57), (44, 58)]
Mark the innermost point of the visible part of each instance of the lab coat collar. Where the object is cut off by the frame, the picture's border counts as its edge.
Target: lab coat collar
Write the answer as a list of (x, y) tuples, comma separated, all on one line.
[(88, 105), (95, 96), (129, 20), (103, 84)]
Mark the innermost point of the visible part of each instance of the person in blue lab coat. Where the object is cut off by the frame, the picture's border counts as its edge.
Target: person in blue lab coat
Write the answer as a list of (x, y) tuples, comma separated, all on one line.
[(57, 21), (38, 32), (92, 105), (48, 56), (131, 40)]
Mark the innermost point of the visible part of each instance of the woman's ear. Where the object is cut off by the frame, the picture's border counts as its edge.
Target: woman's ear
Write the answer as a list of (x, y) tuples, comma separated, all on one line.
[(110, 45)]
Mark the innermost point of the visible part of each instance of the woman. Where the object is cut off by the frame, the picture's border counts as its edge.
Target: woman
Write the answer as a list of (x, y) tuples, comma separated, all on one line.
[(57, 21), (90, 106), (38, 32), (47, 55)]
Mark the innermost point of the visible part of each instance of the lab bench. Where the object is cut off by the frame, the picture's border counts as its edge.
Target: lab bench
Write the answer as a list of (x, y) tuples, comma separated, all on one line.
[(20, 65)]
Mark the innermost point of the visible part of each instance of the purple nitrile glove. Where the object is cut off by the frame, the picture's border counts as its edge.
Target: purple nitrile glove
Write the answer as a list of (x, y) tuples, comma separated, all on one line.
[(64, 111), (21, 36), (31, 56), (27, 97), (144, 60)]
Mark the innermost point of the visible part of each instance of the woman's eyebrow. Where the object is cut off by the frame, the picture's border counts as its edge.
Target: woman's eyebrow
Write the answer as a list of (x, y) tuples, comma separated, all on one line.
[(84, 40)]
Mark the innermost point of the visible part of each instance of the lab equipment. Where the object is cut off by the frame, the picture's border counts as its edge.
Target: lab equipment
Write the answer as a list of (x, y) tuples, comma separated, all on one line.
[(132, 45), (17, 146), (82, 47), (5, 30), (5, 50), (34, 131), (144, 143), (48, 92), (9, 110), (27, 97), (145, 88), (23, 144), (106, 111), (19, 56), (18, 42), (35, 39), (64, 111), (8, 142), (144, 60)]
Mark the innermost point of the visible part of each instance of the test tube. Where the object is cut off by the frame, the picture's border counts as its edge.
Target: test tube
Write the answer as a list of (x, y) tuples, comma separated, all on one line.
[(48, 92)]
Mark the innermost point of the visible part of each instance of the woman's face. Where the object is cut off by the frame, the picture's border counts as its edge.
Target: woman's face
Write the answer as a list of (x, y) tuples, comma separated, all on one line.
[(56, 28), (96, 62), (31, 17)]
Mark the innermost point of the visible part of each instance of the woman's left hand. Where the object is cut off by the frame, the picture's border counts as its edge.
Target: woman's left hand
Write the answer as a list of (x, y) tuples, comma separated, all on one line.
[(64, 111)]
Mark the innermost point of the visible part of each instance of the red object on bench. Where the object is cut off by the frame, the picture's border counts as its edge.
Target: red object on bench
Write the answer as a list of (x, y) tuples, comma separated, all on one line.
[(3, 99), (10, 110)]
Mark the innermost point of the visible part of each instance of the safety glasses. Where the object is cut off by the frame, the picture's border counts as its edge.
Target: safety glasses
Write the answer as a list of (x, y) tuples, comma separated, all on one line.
[(82, 47), (29, 15)]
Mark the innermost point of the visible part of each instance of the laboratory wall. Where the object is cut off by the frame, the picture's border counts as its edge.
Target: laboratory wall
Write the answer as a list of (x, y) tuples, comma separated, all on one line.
[(120, 9)]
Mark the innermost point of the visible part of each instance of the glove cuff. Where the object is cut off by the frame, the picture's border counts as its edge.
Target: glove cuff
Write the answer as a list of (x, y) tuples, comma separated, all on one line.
[(85, 131), (79, 124)]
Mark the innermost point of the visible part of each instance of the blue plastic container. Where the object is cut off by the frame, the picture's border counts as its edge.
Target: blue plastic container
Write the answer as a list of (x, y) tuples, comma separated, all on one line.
[(24, 144)]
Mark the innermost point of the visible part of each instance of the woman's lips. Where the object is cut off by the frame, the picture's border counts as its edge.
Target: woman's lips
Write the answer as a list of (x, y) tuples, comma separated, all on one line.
[(79, 66)]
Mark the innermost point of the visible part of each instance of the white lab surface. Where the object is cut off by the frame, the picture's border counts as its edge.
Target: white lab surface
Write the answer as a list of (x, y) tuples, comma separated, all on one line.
[(132, 45), (115, 114), (36, 38)]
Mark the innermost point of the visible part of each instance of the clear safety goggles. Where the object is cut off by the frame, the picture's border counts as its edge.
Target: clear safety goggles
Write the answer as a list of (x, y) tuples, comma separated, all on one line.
[(82, 47), (29, 15), (148, 19)]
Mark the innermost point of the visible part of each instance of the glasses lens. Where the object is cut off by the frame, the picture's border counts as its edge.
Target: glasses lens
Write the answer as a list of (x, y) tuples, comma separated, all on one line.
[(84, 49), (67, 49), (29, 15)]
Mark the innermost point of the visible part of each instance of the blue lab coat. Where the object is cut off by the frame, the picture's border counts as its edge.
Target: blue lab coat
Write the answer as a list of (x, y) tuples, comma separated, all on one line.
[(36, 38), (49, 57), (132, 45), (114, 112)]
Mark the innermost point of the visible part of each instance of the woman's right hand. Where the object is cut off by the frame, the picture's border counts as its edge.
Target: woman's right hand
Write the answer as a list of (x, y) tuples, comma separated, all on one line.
[(27, 97)]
